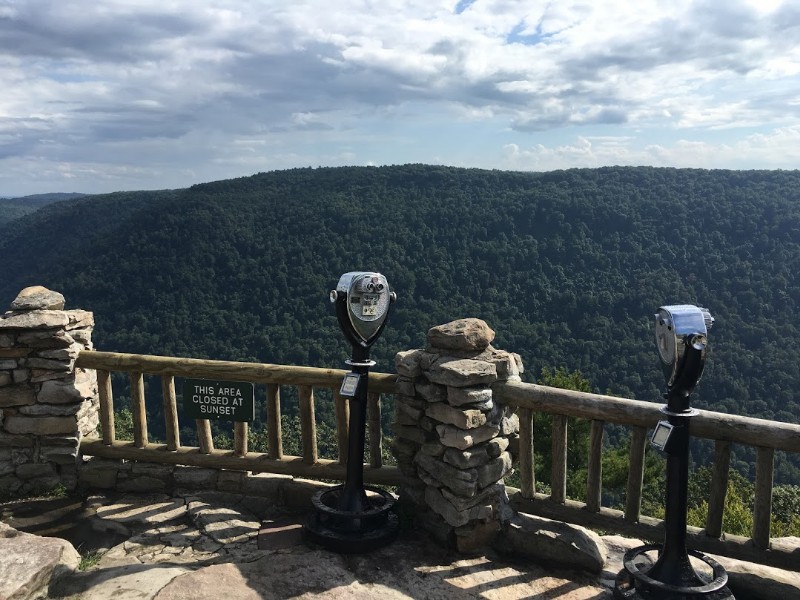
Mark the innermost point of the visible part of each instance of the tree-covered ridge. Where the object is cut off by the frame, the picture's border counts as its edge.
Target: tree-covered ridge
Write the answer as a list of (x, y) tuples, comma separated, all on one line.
[(568, 267), (14, 208)]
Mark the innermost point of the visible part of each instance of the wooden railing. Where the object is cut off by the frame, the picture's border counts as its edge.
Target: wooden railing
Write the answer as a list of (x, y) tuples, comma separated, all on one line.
[(765, 436), (305, 379)]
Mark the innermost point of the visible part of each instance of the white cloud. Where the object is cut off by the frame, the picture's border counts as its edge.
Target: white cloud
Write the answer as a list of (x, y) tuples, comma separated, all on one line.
[(779, 148), (90, 83)]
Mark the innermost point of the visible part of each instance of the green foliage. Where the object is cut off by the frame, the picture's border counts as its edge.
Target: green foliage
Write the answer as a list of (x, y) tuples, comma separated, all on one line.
[(561, 378), (89, 560), (123, 424), (616, 465), (577, 436), (57, 491), (15, 208), (739, 497)]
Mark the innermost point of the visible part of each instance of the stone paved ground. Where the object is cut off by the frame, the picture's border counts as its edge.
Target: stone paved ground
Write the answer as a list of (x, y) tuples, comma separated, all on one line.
[(210, 545)]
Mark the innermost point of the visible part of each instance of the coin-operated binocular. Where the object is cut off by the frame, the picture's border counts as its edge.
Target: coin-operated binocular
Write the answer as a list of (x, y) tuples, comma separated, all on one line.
[(362, 305), (353, 518), (682, 341)]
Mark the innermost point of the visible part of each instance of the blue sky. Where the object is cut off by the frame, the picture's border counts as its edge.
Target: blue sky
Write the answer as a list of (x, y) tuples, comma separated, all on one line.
[(133, 94)]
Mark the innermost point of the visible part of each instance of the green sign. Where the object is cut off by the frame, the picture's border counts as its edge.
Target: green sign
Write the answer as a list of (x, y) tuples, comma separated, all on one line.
[(224, 400)]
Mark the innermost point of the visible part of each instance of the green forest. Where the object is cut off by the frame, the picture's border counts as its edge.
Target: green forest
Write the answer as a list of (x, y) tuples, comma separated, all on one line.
[(568, 267), (14, 208)]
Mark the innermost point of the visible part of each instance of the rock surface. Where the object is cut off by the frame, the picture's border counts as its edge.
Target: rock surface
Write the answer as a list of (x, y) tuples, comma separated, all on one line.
[(463, 334), (29, 563), (553, 542), (750, 580), (38, 297), (462, 372), (40, 319)]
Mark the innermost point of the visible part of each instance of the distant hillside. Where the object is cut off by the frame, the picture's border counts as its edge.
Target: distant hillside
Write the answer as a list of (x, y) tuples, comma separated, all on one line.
[(14, 208), (567, 266)]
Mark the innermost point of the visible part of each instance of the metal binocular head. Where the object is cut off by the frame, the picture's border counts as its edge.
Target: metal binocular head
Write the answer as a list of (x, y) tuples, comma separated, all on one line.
[(362, 301), (678, 328)]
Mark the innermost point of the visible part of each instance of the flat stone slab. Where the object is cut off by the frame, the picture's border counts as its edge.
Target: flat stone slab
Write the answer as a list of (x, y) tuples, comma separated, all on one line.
[(38, 319), (126, 582), (223, 524), (138, 511), (285, 532), (462, 372)]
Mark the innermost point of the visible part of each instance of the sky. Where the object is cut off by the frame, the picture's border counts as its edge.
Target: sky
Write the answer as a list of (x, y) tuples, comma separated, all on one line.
[(106, 95)]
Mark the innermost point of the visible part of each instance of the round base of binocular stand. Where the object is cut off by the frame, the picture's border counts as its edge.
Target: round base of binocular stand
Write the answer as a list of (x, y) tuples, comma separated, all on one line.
[(634, 584), (352, 532)]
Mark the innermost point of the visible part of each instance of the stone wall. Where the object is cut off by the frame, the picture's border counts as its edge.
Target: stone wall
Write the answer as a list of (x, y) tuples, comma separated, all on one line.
[(46, 404), (268, 489), (452, 441), (452, 436)]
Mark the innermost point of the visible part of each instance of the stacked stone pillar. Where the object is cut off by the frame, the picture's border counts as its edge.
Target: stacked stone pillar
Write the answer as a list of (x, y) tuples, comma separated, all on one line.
[(452, 436), (46, 404)]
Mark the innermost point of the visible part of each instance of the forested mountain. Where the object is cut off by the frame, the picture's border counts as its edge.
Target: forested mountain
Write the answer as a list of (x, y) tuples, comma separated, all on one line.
[(568, 267), (14, 208)]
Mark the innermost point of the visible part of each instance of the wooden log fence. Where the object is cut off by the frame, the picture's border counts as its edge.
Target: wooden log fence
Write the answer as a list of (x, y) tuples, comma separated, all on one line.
[(529, 399), (305, 379), (766, 436)]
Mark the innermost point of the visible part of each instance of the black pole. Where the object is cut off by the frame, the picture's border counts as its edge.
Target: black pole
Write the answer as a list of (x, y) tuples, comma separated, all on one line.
[(353, 497), (673, 566)]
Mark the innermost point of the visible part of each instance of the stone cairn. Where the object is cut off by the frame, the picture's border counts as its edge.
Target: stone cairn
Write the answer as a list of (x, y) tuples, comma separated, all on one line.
[(452, 438), (46, 404)]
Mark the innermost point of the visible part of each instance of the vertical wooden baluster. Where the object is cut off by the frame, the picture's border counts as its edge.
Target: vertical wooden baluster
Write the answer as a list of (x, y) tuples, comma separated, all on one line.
[(308, 424), (762, 513), (558, 479), (342, 424), (204, 438), (633, 495), (138, 410), (719, 487), (240, 429), (274, 434), (106, 407), (170, 412), (594, 478), (526, 462), (375, 433)]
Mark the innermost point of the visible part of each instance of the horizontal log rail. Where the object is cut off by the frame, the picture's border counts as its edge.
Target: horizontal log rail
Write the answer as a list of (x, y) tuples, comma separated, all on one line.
[(257, 462), (638, 413), (226, 370)]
